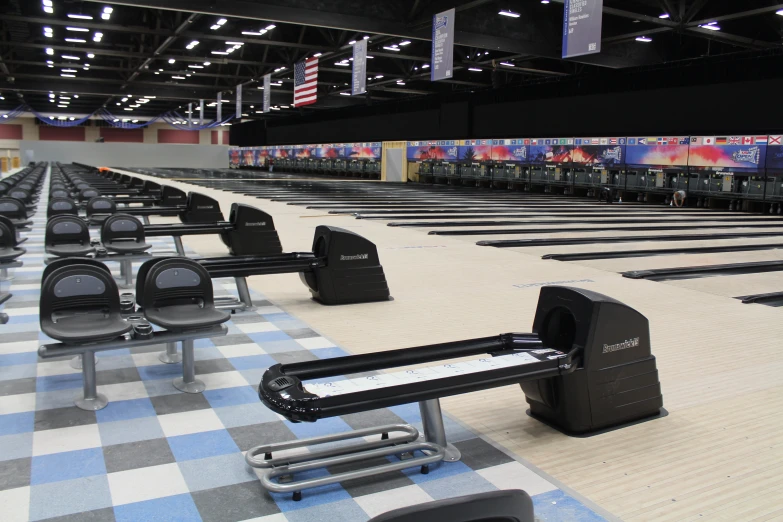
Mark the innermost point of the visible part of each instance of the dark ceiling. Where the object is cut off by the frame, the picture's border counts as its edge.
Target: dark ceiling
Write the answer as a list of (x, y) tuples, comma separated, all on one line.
[(141, 38)]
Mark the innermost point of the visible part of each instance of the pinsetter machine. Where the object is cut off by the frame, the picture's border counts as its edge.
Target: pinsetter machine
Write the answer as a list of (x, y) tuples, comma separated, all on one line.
[(587, 367)]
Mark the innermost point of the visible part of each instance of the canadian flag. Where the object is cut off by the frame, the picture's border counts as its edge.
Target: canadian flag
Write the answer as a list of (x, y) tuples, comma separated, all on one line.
[(747, 140), (709, 140)]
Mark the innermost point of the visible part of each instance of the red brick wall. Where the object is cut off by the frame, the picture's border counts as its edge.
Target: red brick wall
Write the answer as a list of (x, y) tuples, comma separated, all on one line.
[(47, 133), (112, 135), (215, 136), (10, 132), (178, 136), (225, 137)]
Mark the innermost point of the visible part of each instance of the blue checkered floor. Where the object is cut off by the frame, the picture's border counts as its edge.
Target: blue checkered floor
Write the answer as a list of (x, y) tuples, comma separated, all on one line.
[(157, 454)]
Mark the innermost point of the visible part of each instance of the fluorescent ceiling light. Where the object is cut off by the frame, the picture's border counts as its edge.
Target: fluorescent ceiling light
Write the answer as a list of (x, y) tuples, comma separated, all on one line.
[(69, 71), (378, 77), (134, 121), (196, 66), (474, 69), (47, 3), (75, 40), (172, 60), (48, 10), (69, 57), (712, 26), (128, 109), (105, 16), (406, 42), (90, 55), (49, 51), (206, 64), (75, 95), (316, 55), (345, 94), (507, 64), (270, 27), (80, 16), (544, 1), (252, 33), (177, 77), (51, 95), (352, 42), (239, 44), (116, 120), (108, 9), (391, 48), (50, 62), (646, 39), (221, 21), (124, 99), (342, 64), (779, 12), (75, 29), (215, 27), (510, 14), (425, 66), (664, 16), (220, 52), (365, 37), (369, 57), (68, 75), (63, 107)]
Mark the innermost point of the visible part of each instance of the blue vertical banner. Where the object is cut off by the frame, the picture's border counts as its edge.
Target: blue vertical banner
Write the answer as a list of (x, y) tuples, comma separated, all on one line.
[(239, 101), (201, 112), (220, 107), (442, 66), (582, 21), (359, 68), (267, 92)]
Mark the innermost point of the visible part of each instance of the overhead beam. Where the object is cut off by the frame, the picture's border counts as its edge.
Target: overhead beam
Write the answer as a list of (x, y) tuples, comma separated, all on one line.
[(736, 16), (162, 47)]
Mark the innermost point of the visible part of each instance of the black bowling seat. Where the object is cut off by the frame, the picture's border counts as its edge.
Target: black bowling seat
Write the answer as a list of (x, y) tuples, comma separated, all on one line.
[(80, 303), (495, 506), (99, 209), (8, 242), (123, 234), (67, 236), (176, 294), (14, 210), (23, 196), (61, 206), (59, 193), (87, 193)]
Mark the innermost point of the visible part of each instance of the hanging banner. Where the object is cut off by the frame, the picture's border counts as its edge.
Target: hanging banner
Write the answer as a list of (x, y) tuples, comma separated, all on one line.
[(201, 112), (582, 27), (190, 114), (359, 68), (442, 65), (220, 107), (267, 91), (239, 101)]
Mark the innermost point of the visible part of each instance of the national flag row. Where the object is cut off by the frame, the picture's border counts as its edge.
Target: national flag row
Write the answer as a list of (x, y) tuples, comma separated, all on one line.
[(735, 140), (650, 141)]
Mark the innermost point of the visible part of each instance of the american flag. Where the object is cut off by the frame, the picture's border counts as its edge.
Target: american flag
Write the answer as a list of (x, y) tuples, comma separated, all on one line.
[(305, 82)]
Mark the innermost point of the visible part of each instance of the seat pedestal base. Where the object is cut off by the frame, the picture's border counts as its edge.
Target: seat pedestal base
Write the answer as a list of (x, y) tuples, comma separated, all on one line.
[(98, 403), (195, 386)]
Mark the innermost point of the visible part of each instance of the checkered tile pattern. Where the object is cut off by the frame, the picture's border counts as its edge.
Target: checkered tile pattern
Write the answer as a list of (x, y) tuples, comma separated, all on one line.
[(157, 454)]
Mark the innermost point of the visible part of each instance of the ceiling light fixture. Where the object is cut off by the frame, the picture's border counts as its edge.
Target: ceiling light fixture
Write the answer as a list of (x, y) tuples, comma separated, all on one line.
[(425, 66), (80, 16), (68, 71), (75, 40), (645, 39), (507, 64), (192, 44), (712, 26), (391, 48), (253, 33), (69, 57), (406, 42), (510, 14), (474, 69), (75, 29), (316, 55), (544, 1), (196, 66), (90, 55), (238, 44), (664, 16), (49, 51), (97, 37), (779, 12), (223, 53), (352, 42), (269, 27), (68, 75), (107, 11), (172, 60), (177, 77), (342, 64)]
